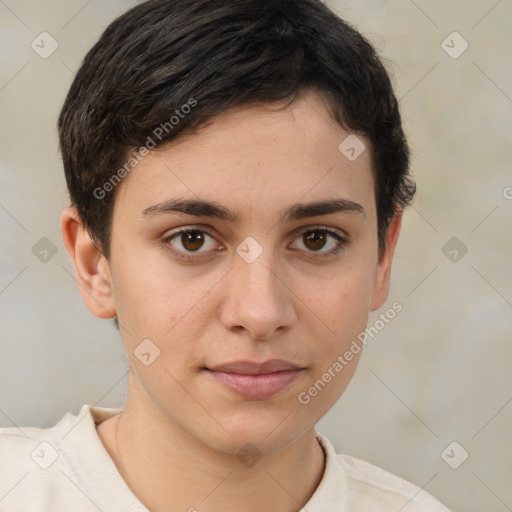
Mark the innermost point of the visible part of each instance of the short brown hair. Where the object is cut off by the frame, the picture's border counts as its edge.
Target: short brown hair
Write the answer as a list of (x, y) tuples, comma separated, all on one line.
[(162, 55)]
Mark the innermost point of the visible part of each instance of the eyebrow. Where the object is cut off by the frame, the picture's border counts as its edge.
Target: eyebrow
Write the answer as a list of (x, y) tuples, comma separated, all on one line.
[(202, 208)]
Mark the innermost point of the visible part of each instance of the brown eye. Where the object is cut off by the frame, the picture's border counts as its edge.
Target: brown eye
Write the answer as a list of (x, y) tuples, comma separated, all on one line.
[(323, 241), (192, 240), (315, 240), (186, 242)]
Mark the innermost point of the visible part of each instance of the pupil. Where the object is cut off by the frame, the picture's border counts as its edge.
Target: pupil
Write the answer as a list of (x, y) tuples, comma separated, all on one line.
[(192, 240), (317, 241)]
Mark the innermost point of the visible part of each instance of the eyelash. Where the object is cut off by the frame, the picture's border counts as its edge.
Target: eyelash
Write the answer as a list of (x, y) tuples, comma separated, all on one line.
[(190, 256)]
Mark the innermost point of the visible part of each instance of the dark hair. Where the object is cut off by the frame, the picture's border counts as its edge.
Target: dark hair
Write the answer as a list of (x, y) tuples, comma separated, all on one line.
[(193, 59)]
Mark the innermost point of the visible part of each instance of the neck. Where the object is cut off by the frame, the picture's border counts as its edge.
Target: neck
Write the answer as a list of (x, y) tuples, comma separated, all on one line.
[(180, 470)]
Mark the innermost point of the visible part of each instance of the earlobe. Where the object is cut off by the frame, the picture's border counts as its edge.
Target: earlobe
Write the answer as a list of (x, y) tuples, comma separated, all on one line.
[(91, 267), (383, 274)]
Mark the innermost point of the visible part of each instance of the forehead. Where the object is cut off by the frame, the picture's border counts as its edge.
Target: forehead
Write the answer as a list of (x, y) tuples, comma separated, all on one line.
[(256, 159)]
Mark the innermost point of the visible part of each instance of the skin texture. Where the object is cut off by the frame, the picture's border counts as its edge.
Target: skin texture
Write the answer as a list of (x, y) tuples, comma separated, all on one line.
[(177, 439)]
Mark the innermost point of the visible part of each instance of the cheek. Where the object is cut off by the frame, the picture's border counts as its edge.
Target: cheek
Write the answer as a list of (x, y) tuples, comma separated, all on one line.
[(147, 306), (340, 316), (342, 302), (156, 302)]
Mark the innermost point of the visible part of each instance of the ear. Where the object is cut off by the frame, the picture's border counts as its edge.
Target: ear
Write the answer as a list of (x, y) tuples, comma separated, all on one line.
[(91, 267), (383, 273)]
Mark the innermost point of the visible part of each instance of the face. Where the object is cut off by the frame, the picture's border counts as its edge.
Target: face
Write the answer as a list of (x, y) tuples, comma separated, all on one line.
[(244, 262)]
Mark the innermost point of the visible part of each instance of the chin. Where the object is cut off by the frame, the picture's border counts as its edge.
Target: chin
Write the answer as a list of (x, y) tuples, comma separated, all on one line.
[(260, 432)]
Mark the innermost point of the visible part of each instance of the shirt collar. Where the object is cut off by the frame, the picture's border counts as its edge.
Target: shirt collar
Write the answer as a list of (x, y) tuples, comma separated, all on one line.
[(329, 496)]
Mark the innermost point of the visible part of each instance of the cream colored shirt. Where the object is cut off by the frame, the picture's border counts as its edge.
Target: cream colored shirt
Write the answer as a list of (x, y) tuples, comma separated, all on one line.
[(66, 468)]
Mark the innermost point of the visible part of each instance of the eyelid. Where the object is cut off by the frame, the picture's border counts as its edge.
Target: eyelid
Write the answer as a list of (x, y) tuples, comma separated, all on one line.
[(340, 236), (183, 254), (321, 227)]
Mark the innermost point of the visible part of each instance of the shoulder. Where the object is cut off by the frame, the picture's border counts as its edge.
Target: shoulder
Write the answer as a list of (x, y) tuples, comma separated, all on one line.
[(26, 448), (377, 485), (29, 464), (368, 487), (37, 470)]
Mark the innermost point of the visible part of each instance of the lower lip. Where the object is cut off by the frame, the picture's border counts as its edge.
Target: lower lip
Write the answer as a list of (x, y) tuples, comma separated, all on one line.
[(256, 387)]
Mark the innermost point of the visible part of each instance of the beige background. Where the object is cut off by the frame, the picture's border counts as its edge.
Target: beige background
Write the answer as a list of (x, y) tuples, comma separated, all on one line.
[(438, 373)]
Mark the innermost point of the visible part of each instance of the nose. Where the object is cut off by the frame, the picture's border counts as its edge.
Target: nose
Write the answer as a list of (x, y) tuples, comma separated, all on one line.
[(258, 299)]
